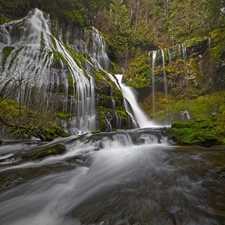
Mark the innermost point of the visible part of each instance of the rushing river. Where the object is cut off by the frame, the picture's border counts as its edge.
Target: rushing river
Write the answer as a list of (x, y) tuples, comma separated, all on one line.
[(123, 178)]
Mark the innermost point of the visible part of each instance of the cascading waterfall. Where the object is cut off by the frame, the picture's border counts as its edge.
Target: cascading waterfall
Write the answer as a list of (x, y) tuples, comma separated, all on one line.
[(98, 51), (127, 107), (34, 53), (180, 51), (140, 116), (154, 54), (184, 51), (46, 65), (164, 75), (169, 55)]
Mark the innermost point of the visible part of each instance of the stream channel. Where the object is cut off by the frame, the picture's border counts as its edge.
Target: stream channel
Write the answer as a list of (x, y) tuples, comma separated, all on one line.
[(135, 177)]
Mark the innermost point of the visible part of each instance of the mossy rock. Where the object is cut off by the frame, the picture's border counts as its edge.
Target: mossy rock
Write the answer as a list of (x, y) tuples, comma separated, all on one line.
[(102, 113), (138, 72), (57, 149), (196, 133), (6, 52), (52, 131), (0, 141), (64, 116)]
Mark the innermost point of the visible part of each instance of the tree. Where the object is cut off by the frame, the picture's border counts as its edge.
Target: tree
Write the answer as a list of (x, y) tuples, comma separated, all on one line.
[(33, 113), (186, 19), (120, 29), (215, 11)]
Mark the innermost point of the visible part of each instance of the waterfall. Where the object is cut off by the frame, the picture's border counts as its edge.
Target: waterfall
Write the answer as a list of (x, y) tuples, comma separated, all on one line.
[(154, 54), (98, 51), (184, 51), (164, 75), (44, 64), (170, 56), (139, 115)]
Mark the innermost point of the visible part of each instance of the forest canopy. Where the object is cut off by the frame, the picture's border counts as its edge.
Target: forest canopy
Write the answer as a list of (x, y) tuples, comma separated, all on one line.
[(129, 25)]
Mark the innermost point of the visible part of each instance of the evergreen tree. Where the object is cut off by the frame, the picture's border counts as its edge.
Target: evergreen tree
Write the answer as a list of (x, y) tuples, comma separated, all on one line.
[(120, 29), (215, 13), (186, 19)]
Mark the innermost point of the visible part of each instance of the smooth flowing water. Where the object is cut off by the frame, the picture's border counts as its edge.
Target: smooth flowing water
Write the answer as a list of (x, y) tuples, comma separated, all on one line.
[(164, 75), (154, 55), (140, 116), (133, 177)]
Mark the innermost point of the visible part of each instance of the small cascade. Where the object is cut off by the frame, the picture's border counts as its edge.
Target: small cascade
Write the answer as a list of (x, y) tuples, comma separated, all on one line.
[(139, 115), (169, 55), (98, 51), (164, 75), (126, 101), (184, 51)]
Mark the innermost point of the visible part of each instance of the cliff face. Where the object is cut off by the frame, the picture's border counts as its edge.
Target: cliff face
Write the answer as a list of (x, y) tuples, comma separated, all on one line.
[(64, 67), (183, 72)]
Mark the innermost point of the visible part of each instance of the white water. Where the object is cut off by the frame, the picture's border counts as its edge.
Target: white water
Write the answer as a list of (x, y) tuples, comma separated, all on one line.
[(132, 177), (32, 59), (139, 114), (164, 75), (154, 55), (184, 50)]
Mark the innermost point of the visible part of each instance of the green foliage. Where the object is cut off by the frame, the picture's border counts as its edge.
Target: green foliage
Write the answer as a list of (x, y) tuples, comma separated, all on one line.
[(6, 52), (71, 82), (120, 29), (217, 50), (62, 115), (138, 72), (45, 152), (123, 114), (221, 169), (186, 19), (196, 132), (96, 132), (23, 122), (102, 113), (214, 14)]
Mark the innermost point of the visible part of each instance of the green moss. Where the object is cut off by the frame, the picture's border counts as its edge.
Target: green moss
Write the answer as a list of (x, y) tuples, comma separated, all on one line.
[(96, 132), (53, 42), (6, 52), (15, 55), (123, 114), (51, 131), (138, 72), (102, 113), (10, 109), (221, 169), (4, 20), (42, 153), (195, 41), (42, 43), (63, 115), (196, 133), (201, 108), (105, 101), (71, 81), (217, 46)]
